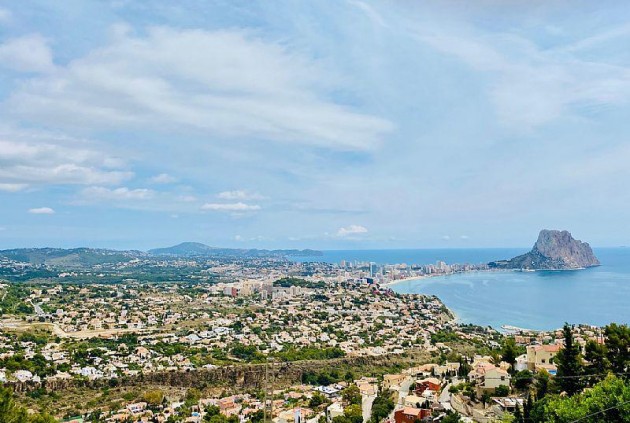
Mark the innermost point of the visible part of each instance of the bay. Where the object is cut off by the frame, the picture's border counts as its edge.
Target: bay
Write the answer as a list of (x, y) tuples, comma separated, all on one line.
[(541, 300)]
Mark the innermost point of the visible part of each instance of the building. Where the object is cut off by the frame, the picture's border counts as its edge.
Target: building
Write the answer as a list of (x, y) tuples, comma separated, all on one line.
[(488, 377), (430, 383), (541, 356), (393, 381), (411, 415), (334, 410)]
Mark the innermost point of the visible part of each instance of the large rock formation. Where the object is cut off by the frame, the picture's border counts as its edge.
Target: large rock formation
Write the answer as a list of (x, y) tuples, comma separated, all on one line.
[(554, 250)]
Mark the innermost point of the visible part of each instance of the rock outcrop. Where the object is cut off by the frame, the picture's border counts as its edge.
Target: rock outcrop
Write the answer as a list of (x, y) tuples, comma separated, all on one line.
[(554, 250)]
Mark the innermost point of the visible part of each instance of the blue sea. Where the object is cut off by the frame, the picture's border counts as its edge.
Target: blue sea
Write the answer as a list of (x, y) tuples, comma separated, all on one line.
[(541, 300)]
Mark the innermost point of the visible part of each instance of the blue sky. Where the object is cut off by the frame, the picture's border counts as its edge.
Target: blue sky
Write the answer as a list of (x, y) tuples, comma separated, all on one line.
[(288, 124)]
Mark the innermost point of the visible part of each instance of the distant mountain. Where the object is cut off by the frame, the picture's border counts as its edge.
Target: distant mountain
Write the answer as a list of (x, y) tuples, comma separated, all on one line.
[(554, 250), (197, 249), (87, 257), (74, 257), (183, 249)]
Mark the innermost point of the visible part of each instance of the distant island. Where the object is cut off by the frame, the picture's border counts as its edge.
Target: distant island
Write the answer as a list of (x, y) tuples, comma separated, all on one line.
[(554, 250)]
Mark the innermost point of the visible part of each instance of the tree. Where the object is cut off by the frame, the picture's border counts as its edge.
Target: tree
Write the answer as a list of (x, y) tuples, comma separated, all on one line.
[(11, 412), (192, 396), (351, 395), (502, 391), (509, 352), (569, 363), (451, 417), (153, 397), (316, 400), (596, 356), (523, 379), (485, 398), (354, 413), (518, 415), (211, 410), (542, 383), (381, 407), (257, 416), (527, 409), (607, 402), (618, 347)]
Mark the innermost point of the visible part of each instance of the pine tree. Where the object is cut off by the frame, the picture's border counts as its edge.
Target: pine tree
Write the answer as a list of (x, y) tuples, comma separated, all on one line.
[(527, 409), (509, 352), (569, 362), (618, 347), (518, 415)]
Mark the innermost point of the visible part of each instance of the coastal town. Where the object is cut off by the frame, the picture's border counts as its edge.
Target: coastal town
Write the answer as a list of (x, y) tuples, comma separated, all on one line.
[(400, 358)]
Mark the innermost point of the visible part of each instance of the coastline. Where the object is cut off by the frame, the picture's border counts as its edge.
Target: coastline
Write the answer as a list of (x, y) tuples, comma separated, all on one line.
[(505, 327)]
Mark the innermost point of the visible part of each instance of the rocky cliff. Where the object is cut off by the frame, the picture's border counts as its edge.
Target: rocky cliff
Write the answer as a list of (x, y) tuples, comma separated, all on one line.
[(554, 250)]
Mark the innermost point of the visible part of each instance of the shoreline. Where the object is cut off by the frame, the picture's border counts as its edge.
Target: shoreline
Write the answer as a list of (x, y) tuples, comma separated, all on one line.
[(504, 328)]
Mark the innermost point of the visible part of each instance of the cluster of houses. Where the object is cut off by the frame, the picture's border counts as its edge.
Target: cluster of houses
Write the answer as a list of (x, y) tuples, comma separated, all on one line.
[(358, 320)]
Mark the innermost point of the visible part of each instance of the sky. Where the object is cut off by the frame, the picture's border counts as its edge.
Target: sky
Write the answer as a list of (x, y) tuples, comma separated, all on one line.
[(323, 124)]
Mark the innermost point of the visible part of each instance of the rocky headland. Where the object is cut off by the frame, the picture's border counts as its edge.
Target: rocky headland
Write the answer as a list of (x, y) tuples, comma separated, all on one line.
[(554, 250)]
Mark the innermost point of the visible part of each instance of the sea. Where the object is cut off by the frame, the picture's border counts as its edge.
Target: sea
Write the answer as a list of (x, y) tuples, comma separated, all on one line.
[(541, 300)]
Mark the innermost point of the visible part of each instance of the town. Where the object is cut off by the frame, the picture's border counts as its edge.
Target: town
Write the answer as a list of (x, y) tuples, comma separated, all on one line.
[(352, 349)]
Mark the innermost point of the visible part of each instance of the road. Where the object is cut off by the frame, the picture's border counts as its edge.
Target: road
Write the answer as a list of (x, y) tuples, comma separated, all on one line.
[(366, 406)]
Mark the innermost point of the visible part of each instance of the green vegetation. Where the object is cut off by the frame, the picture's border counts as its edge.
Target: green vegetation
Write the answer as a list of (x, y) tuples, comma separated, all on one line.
[(570, 364), (351, 395), (12, 300), (287, 282), (605, 372), (10, 412), (607, 401), (381, 407), (309, 353), (444, 336)]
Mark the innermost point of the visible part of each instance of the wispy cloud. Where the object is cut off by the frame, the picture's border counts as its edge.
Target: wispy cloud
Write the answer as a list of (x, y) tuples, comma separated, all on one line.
[(26, 54), (223, 83), (12, 187), (351, 230), (240, 195), (98, 194), (230, 207), (33, 158), (41, 210), (163, 178), (531, 86)]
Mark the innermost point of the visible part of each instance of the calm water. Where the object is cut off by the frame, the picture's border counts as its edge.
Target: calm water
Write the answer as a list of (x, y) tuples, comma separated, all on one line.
[(534, 300)]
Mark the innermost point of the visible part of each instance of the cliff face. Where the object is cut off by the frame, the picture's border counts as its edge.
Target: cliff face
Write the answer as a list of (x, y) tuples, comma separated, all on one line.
[(554, 250)]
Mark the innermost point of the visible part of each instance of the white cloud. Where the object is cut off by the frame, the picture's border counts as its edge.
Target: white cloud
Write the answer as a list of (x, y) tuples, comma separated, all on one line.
[(464, 237), (12, 187), (351, 230), (41, 210), (222, 83), (163, 178), (230, 207), (43, 159), (116, 194), (239, 195), (446, 237), (27, 54), (529, 85)]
